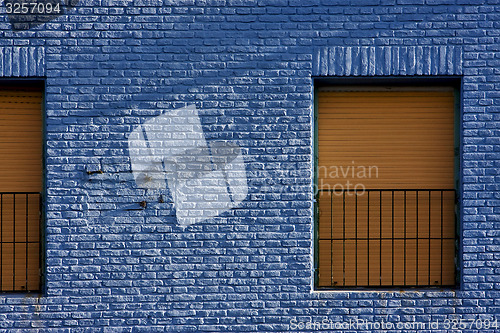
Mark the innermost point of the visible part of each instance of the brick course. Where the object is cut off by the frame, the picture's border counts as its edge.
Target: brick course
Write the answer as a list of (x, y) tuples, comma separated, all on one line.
[(248, 66)]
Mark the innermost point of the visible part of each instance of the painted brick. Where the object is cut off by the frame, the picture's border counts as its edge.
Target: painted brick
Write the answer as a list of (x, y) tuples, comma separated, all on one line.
[(248, 66), (387, 60), (22, 61)]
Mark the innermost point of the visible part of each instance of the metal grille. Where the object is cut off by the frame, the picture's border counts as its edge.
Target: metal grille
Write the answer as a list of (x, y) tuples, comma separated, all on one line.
[(386, 237), (20, 241)]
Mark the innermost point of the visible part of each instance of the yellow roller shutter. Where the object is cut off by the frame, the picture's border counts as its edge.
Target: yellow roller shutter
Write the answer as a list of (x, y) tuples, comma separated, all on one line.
[(406, 135), (396, 148), (20, 187)]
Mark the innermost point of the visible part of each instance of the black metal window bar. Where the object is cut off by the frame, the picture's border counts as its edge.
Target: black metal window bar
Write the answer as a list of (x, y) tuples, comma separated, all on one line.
[(20, 241), (386, 238)]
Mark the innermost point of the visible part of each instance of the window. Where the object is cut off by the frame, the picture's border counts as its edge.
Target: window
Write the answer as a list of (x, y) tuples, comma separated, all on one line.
[(20, 187), (385, 179)]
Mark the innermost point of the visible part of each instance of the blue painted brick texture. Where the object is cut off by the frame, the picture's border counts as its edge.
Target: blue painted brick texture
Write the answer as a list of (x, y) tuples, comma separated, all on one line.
[(248, 66)]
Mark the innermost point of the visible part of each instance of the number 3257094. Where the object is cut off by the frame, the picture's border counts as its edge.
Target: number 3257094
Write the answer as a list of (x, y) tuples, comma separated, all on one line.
[(32, 8)]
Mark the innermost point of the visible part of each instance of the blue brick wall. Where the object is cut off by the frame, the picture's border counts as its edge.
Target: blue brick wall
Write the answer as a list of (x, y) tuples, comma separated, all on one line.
[(248, 66)]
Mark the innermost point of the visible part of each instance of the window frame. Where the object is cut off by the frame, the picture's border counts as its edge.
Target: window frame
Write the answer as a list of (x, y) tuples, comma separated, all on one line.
[(368, 83), (38, 83)]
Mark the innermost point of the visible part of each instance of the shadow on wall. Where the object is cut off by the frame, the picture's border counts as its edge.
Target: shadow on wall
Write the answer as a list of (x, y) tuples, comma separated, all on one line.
[(28, 14)]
